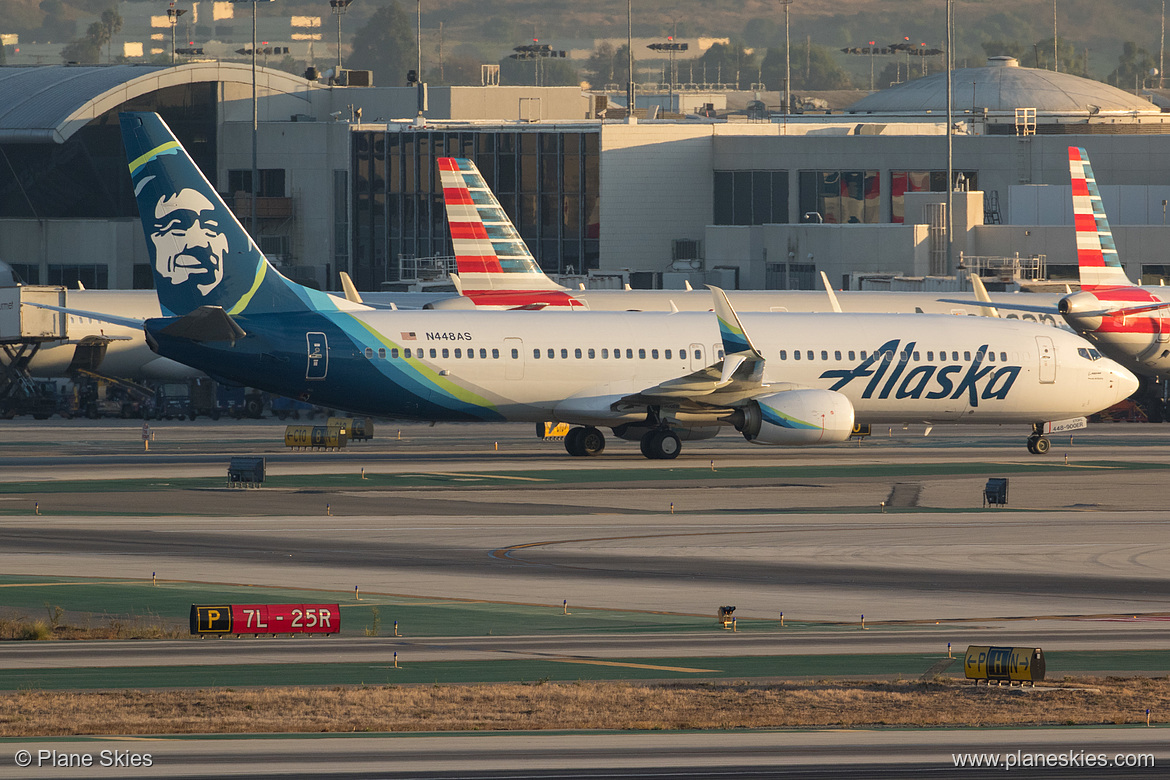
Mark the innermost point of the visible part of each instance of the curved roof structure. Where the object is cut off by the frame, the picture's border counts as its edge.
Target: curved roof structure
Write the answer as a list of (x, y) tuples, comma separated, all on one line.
[(1003, 86), (48, 103)]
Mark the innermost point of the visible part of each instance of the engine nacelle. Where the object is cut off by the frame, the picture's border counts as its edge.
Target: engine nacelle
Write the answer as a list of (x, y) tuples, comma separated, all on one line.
[(1082, 311), (796, 417)]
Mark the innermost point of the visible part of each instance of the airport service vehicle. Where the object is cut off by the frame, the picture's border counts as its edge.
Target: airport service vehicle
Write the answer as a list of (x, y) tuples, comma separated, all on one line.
[(654, 377), (1128, 322), (497, 271)]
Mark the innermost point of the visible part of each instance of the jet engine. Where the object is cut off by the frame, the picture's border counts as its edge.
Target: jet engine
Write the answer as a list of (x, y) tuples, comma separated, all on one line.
[(796, 417), (1082, 311)]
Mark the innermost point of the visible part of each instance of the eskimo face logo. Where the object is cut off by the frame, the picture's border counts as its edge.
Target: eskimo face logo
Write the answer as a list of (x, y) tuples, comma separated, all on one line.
[(189, 248), (979, 382)]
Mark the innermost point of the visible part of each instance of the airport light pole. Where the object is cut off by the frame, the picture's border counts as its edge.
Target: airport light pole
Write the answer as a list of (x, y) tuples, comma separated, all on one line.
[(173, 15), (671, 47), (255, 122), (787, 63), (338, 8)]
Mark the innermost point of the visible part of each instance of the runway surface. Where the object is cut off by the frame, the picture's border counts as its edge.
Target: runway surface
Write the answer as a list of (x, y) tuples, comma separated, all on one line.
[(758, 754), (1078, 560)]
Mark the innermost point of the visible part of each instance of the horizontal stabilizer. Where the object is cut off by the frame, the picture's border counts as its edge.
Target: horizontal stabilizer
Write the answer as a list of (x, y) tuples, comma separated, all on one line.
[(207, 323), (129, 322)]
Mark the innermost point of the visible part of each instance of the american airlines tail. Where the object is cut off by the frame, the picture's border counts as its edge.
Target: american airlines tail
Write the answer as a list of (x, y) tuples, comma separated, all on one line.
[(1096, 252), (200, 253), (495, 267)]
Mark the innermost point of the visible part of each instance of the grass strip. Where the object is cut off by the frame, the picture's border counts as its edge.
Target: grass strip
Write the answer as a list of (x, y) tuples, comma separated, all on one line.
[(542, 668), (581, 706)]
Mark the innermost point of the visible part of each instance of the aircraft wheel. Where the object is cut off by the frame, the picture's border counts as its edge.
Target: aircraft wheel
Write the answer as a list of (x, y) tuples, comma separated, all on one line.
[(645, 444), (592, 441), (1042, 446), (573, 442), (662, 444)]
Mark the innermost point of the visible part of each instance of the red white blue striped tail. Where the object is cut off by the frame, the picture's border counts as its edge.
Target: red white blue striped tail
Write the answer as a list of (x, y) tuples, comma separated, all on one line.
[(495, 266), (1096, 252)]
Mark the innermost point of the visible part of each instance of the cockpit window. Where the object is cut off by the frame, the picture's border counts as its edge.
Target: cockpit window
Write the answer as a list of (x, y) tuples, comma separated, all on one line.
[(1089, 353)]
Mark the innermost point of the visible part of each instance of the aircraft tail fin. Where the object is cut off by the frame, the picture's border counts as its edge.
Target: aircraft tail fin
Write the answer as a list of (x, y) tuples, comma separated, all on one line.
[(489, 251), (1097, 256), (200, 253)]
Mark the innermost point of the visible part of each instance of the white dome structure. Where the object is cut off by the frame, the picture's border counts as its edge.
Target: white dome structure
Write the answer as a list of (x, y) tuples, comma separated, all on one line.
[(1002, 87)]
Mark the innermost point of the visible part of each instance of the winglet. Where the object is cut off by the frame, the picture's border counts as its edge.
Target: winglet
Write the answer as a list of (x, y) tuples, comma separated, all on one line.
[(351, 293), (832, 295), (981, 295), (735, 339), (1096, 252)]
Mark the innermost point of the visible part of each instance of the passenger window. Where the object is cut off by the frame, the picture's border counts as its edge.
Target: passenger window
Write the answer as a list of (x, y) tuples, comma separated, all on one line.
[(536, 353), (810, 354), (382, 353), (837, 355), (991, 356), (434, 353), (394, 353), (853, 355), (916, 357), (605, 354), (458, 353), (666, 354), (955, 356), (930, 355), (369, 352), (406, 352), (629, 354), (446, 352), (564, 354), (783, 354), (576, 353), (654, 354), (483, 353), (1003, 357), (641, 354), (796, 354), (592, 353), (552, 353), (966, 356), (698, 354), (824, 354), (471, 353), (617, 354)]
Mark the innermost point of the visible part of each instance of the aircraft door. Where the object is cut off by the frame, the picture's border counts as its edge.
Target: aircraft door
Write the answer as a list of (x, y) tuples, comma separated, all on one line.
[(513, 358), (1047, 359), (318, 353), (698, 361)]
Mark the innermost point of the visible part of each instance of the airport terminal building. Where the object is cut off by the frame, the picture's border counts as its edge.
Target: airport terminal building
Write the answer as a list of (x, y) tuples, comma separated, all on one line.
[(347, 178)]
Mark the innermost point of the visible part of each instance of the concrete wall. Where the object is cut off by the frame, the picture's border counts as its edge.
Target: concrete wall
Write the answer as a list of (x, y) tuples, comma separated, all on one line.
[(838, 250), (655, 187), (116, 243)]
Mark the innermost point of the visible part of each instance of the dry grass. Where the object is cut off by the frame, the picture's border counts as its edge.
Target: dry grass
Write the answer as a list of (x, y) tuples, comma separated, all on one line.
[(578, 706), (25, 628)]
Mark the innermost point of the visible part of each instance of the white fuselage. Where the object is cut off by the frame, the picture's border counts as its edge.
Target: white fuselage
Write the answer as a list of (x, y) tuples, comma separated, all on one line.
[(573, 366)]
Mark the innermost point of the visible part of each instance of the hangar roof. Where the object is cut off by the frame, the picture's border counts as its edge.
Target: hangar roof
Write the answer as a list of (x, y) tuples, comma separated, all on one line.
[(48, 103)]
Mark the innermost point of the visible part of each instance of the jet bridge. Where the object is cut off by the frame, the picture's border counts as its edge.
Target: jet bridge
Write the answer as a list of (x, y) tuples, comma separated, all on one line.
[(23, 329)]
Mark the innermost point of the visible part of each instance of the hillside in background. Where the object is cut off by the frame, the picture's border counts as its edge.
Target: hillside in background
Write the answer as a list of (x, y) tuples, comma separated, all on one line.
[(486, 30)]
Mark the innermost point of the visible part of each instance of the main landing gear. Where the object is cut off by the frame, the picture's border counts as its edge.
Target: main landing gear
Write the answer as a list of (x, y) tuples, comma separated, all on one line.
[(1038, 443), (661, 444), (584, 441)]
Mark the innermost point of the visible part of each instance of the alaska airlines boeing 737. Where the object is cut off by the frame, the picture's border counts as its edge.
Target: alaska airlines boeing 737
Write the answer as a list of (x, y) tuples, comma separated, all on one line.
[(1127, 321), (655, 377)]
